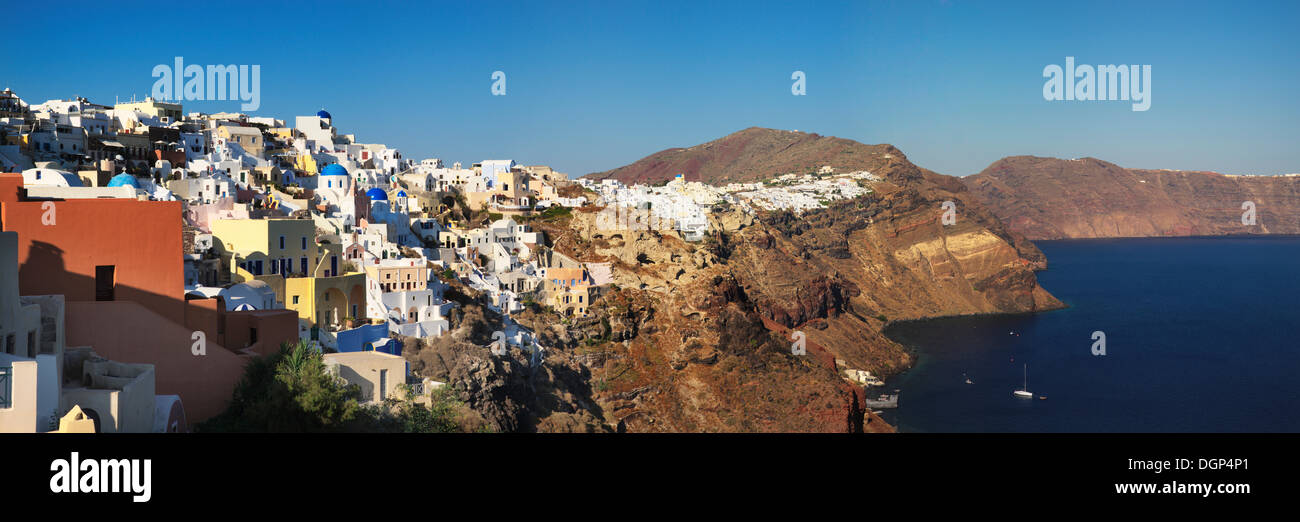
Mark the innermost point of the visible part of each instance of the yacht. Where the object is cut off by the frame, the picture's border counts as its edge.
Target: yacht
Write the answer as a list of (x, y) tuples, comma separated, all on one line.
[(1024, 391)]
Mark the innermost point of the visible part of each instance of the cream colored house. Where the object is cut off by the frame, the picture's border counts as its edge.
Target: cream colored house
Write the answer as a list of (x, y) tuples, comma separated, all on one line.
[(248, 138), (378, 374)]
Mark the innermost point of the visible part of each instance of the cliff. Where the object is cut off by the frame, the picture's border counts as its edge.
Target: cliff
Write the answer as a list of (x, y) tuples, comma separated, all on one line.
[(1049, 198), (697, 336)]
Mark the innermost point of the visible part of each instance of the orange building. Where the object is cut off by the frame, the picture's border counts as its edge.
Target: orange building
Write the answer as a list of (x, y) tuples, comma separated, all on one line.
[(118, 264), (569, 290)]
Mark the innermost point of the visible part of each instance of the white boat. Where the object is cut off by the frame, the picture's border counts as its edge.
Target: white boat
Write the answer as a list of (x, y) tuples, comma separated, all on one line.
[(1024, 391)]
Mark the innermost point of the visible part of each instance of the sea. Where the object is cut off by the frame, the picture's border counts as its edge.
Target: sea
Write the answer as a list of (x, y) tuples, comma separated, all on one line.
[(1161, 335)]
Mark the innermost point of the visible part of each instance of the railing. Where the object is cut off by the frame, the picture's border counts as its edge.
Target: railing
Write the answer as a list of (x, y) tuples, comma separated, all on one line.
[(6, 386)]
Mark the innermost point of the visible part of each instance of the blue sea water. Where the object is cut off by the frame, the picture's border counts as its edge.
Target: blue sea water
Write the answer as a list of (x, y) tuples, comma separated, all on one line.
[(1202, 335)]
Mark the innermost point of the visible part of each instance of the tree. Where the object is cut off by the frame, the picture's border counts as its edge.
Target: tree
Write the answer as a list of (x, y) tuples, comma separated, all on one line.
[(293, 391), (290, 391)]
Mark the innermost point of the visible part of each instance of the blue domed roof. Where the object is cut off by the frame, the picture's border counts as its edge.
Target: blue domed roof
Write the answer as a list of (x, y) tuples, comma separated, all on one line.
[(124, 180), (334, 169), (377, 194), (323, 114), (401, 193)]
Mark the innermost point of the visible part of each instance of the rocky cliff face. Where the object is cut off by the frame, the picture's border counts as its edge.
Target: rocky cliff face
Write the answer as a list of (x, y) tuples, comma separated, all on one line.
[(708, 347), (1049, 198), (507, 392)]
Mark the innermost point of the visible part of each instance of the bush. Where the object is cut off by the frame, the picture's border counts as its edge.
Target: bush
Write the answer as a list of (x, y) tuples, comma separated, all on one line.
[(293, 392), (290, 391), (556, 212)]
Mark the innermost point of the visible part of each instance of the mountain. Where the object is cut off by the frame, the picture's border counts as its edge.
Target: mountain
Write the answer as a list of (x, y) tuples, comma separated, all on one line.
[(752, 154), (700, 333), (1050, 198)]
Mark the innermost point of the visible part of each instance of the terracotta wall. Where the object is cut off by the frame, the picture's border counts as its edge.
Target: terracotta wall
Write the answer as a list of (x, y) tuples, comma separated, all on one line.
[(273, 328), (141, 239), (128, 332)]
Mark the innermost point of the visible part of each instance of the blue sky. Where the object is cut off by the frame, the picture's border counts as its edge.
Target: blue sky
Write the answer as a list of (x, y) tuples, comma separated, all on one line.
[(591, 86)]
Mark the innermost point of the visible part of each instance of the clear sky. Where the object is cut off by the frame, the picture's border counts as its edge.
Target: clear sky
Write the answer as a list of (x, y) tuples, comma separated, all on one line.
[(591, 86)]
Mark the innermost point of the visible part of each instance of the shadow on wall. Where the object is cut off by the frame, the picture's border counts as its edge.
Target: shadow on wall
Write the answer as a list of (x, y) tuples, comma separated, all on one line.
[(132, 325)]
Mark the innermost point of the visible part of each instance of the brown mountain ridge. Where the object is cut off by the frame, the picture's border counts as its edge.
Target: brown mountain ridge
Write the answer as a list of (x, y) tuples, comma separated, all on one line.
[(1051, 198), (753, 154)]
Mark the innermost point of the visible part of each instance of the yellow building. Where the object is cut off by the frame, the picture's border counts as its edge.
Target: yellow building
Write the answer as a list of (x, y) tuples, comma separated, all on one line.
[(327, 302), (285, 247), (284, 133), (306, 164), (309, 278), (153, 108)]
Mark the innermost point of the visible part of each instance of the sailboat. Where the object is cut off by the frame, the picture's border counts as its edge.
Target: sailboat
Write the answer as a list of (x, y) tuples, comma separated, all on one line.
[(1024, 391)]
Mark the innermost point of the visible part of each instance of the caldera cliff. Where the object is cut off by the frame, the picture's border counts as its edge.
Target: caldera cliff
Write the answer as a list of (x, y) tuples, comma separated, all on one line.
[(1050, 198)]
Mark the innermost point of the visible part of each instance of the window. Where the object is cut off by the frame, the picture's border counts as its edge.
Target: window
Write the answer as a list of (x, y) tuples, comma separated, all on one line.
[(295, 299), (304, 243), (304, 266), (104, 282), (281, 242)]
